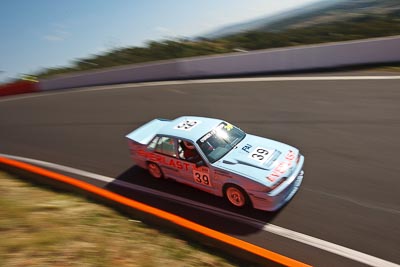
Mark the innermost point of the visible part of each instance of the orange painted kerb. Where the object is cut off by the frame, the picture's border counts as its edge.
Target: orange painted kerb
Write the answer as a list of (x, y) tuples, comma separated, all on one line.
[(267, 254)]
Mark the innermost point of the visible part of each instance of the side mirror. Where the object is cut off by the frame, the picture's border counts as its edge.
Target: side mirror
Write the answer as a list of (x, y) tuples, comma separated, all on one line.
[(200, 163)]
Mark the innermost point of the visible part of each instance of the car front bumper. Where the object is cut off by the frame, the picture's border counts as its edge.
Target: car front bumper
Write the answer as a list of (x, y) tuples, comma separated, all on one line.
[(282, 194)]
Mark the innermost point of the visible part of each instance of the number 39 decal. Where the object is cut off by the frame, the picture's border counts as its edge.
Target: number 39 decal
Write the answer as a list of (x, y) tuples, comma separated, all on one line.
[(202, 177), (261, 154)]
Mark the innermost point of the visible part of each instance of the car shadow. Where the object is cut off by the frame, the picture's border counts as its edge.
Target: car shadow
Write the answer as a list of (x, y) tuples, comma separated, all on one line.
[(189, 203)]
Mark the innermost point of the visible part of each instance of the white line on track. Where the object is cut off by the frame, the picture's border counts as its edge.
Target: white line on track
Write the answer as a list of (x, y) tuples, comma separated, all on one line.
[(200, 81), (274, 229)]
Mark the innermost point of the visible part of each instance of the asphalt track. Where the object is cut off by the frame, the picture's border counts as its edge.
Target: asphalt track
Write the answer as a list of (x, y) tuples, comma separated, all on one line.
[(348, 131)]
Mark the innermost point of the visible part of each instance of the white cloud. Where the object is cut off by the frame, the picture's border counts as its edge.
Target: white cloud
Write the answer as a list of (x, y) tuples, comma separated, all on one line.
[(165, 32), (58, 34)]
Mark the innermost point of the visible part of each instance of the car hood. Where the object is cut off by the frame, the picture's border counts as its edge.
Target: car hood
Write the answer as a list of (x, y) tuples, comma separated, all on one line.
[(263, 160)]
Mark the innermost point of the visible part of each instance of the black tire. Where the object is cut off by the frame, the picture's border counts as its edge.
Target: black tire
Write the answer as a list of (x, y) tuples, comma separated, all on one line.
[(236, 196), (154, 170)]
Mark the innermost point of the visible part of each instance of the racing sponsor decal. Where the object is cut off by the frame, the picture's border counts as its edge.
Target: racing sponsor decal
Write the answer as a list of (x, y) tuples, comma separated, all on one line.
[(187, 125), (157, 158), (202, 176), (261, 154), (228, 127), (290, 155), (279, 170), (217, 130), (282, 167), (246, 148)]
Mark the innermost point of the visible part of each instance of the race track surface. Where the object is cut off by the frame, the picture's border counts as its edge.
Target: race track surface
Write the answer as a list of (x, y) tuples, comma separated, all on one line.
[(348, 130)]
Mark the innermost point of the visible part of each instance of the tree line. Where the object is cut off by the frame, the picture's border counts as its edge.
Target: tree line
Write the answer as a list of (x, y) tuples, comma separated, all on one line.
[(367, 26)]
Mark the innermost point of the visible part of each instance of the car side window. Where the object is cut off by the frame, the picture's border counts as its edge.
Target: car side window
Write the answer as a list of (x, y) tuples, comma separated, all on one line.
[(165, 145), (153, 143), (188, 151)]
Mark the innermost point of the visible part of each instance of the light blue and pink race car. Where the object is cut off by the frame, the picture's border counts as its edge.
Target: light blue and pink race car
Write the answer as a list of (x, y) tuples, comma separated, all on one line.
[(217, 157)]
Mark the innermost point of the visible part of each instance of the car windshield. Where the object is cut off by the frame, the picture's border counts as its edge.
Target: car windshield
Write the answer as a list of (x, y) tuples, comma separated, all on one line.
[(220, 140)]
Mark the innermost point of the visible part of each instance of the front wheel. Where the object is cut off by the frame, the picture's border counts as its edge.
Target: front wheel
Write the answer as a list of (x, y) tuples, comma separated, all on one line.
[(154, 170), (236, 196)]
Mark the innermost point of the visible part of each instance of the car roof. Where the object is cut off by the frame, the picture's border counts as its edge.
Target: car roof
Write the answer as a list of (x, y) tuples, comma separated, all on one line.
[(189, 127)]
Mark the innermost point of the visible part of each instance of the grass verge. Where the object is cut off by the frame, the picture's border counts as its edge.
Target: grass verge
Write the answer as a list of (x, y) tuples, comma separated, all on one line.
[(40, 227)]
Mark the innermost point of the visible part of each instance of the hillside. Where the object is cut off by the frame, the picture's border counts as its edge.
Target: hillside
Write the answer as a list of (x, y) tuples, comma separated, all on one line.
[(310, 15), (263, 22)]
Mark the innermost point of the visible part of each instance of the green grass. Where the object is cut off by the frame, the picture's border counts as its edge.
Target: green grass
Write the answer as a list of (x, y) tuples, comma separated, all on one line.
[(40, 227)]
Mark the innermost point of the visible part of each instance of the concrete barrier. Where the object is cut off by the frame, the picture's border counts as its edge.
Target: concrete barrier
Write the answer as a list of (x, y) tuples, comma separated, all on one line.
[(331, 55), (131, 73), (301, 58)]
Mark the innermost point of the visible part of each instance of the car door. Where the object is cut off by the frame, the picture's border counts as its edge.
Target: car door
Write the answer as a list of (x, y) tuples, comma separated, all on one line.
[(164, 153), (200, 177), (168, 153)]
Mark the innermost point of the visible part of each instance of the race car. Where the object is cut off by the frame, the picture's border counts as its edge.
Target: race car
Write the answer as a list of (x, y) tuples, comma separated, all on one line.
[(219, 158)]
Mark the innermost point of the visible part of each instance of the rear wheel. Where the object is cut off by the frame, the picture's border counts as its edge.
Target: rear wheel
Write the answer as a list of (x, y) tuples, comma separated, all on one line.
[(236, 196), (154, 170)]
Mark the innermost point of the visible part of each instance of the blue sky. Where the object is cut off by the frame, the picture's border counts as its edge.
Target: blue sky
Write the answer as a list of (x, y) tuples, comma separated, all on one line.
[(45, 33)]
